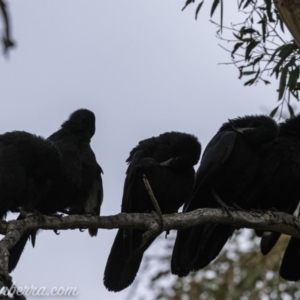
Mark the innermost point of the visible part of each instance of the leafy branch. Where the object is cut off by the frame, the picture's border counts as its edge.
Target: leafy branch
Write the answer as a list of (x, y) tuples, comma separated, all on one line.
[(259, 47)]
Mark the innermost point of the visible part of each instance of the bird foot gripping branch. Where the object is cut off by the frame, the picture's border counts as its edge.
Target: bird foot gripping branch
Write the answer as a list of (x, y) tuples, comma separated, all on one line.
[(225, 208), (24, 214)]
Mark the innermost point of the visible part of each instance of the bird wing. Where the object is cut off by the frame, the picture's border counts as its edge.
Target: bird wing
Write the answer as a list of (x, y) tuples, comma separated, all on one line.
[(216, 153), (71, 158), (280, 184), (130, 181), (95, 199)]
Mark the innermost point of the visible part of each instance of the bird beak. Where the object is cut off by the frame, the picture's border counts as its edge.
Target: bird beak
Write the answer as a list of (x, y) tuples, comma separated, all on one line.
[(237, 129), (240, 130), (167, 163)]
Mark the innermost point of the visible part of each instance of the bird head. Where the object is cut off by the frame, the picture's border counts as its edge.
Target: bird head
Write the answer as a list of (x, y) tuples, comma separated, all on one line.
[(256, 129), (185, 150), (81, 122)]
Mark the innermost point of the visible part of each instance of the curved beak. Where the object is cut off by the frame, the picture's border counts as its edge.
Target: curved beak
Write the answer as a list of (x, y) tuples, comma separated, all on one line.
[(240, 130), (167, 163)]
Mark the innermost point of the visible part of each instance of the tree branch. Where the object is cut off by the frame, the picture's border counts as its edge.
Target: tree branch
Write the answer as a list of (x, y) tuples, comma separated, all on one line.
[(271, 221), (13, 230), (289, 11), (6, 39)]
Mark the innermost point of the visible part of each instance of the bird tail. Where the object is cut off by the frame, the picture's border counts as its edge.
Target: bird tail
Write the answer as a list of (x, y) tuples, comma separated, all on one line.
[(124, 260), (185, 250), (16, 252), (290, 264), (215, 237), (196, 247), (270, 238), (268, 241), (94, 201)]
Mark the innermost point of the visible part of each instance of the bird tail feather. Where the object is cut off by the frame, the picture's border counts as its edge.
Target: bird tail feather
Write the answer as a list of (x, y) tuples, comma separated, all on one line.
[(195, 248), (290, 264), (124, 260), (17, 250)]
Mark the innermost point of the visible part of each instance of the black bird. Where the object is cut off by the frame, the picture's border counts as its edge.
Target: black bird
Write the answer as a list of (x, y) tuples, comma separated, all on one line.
[(27, 164), (225, 177), (167, 161), (286, 176), (77, 189)]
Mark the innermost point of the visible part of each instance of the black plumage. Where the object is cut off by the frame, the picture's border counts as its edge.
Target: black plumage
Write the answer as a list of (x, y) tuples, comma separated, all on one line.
[(167, 161), (77, 189), (290, 264), (285, 192), (227, 173), (28, 163)]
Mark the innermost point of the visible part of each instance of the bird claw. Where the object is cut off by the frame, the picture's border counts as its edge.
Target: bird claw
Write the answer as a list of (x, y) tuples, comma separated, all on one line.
[(25, 213), (253, 212), (40, 216), (261, 211), (31, 213), (228, 209), (225, 208), (58, 216), (237, 207)]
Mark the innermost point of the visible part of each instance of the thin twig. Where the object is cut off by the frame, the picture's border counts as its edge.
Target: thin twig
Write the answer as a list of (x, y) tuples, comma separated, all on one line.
[(153, 199), (6, 40)]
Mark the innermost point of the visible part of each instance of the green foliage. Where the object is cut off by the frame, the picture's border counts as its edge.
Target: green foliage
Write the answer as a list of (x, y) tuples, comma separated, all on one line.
[(259, 48), (240, 272)]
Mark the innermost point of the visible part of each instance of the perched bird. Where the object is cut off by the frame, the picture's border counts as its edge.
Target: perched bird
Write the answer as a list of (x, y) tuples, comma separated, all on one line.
[(167, 161), (227, 173), (77, 189), (28, 163), (284, 193)]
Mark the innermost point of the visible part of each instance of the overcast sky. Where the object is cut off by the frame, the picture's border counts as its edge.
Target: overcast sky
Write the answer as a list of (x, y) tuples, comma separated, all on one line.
[(144, 68)]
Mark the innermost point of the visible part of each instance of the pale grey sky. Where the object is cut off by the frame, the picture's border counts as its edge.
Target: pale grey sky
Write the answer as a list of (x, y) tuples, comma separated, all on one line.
[(143, 67)]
